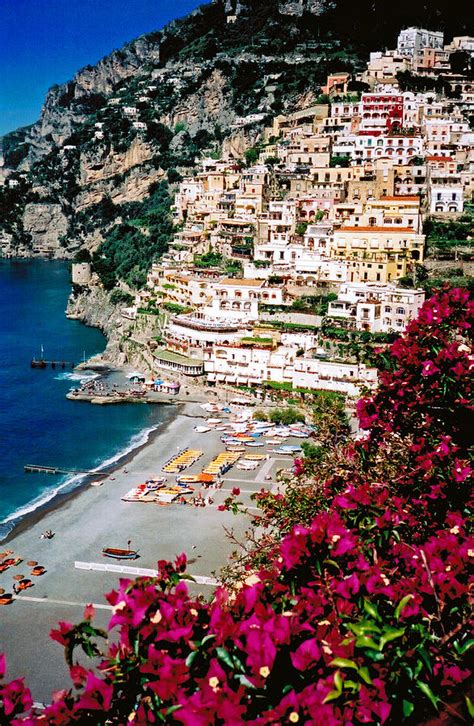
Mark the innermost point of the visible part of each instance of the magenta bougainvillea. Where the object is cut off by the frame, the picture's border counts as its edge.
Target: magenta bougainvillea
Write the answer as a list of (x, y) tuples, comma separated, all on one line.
[(361, 616)]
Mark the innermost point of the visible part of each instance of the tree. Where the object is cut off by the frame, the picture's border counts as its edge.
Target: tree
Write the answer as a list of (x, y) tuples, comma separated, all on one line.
[(358, 605), (251, 156), (460, 61)]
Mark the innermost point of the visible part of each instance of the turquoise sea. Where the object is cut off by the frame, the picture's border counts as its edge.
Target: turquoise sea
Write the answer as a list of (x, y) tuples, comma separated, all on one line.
[(38, 425)]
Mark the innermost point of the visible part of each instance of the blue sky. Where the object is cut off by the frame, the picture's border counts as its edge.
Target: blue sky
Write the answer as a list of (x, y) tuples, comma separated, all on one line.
[(43, 42)]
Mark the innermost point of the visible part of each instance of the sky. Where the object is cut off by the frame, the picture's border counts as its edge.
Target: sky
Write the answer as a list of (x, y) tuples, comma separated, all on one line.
[(43, 42)]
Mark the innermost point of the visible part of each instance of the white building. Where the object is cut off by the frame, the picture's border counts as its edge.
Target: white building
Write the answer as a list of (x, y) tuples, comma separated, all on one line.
[(376, 308), (410, 40), (239, 299), (446, 197), (319, 374)]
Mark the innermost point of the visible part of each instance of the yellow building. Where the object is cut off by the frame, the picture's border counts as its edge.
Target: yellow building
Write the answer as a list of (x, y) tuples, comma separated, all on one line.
[(377, 254)]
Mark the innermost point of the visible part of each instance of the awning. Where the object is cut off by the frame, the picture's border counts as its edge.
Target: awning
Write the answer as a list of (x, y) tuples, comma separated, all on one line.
[(211, 376), (159, 382), (230, 379), (221, 377), (242, 380)]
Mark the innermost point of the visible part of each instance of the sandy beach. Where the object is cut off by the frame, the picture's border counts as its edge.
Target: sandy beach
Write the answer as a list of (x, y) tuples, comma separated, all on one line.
[(96, 517)]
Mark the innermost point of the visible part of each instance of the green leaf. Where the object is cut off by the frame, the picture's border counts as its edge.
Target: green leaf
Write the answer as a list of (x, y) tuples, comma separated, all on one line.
[(338, 681), (191, 658), (172, 709), (425, 657), (352, 685), (208, 638), (365, 675), (332, 695), (371, 610), (464, 647), (225, 657), (365, 642), (244, 681), (343, 663), (333, 563), (408, 708), (426, 690), (364, 626), (470, 706), (374, 655), (390, 634), (404, 601)]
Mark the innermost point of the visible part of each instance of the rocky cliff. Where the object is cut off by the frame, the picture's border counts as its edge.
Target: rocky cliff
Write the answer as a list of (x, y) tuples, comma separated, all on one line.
[(146, 111)]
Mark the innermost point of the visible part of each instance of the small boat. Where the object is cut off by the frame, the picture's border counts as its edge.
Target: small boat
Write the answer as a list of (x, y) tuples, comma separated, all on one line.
[(38, 571), (119, 554)]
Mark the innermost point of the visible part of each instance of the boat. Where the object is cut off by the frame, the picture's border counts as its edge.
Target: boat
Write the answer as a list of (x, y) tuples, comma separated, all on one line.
[(118, 554)]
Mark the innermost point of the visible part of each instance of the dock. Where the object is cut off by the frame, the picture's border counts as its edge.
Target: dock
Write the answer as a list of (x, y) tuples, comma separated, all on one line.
[(42, 363), (38, 469)]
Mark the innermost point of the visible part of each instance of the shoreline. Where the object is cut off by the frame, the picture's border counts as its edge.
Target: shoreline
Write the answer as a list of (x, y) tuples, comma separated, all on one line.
[(61, 499)]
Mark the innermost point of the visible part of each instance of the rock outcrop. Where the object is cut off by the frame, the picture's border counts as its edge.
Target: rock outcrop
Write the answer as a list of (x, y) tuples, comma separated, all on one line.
[(46, 224)]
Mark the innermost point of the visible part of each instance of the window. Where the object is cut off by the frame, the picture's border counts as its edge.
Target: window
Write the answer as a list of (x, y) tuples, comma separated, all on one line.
[(400, 311)]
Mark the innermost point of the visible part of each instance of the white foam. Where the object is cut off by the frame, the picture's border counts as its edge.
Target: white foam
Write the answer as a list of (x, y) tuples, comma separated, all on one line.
[(74, 481), (80, 376)]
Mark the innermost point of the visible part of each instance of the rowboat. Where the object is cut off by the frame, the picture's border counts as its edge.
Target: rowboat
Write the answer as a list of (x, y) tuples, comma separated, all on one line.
[(119, 554)]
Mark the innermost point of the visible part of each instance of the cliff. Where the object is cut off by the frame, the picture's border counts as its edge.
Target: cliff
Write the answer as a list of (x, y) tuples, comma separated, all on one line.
[(127, 341), (148, 110)]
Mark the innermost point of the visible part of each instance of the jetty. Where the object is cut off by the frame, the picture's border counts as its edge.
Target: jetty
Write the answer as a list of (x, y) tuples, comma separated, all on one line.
[(38, 469), (42, 363)]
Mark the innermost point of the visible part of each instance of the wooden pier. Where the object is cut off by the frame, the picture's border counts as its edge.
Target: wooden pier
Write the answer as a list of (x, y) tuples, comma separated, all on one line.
[(38, 469), (42, 363)]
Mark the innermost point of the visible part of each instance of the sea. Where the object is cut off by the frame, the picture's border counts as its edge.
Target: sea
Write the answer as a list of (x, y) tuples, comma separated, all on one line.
[(38, 424)]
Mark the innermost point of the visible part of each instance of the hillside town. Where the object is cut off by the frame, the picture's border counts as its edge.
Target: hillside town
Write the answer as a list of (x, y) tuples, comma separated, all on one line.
[(329, 206)]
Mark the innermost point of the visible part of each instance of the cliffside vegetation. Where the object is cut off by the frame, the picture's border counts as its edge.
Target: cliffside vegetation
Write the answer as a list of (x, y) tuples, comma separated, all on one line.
[(150, 109)]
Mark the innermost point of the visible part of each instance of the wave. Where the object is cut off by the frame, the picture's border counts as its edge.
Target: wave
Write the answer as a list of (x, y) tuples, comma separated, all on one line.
[(73, 482), (82, 377)]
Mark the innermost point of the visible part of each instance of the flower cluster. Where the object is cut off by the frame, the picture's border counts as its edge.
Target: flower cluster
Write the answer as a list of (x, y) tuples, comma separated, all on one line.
[(362, 613)]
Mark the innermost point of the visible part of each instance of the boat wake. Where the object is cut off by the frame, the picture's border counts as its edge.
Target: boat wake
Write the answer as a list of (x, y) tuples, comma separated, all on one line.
[(70, 483)]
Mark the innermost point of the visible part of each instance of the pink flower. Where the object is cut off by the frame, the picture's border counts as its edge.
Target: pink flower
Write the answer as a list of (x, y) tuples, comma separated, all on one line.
[(63, 635), (429, 368), (16, 698), (306, 655), (89, 612), (235, 491), (97, 695)]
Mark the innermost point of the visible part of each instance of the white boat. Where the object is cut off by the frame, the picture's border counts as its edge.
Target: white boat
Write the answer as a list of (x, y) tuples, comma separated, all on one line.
[(202, 429)]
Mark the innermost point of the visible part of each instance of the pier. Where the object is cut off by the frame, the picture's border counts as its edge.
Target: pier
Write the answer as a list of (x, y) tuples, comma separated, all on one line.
[(42, 363), (38, 469)]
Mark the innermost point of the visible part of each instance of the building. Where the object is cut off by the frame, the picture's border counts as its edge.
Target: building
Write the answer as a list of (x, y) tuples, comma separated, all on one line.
[(376, 308), (411, 40), (319, 374)]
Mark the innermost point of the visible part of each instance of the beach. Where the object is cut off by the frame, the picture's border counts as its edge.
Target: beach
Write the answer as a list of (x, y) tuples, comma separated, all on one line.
[(96, 517)]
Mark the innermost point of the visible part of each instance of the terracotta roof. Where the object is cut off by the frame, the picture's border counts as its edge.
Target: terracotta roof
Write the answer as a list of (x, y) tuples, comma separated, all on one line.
[(400, 198), (241, 283), (376, 229), (439, 158)]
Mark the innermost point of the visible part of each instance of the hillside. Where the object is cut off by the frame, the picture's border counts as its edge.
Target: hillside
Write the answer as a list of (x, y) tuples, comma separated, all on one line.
[(139, 118)]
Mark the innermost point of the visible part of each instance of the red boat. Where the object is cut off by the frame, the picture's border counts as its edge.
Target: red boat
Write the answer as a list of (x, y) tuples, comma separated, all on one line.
[(118, 554)]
